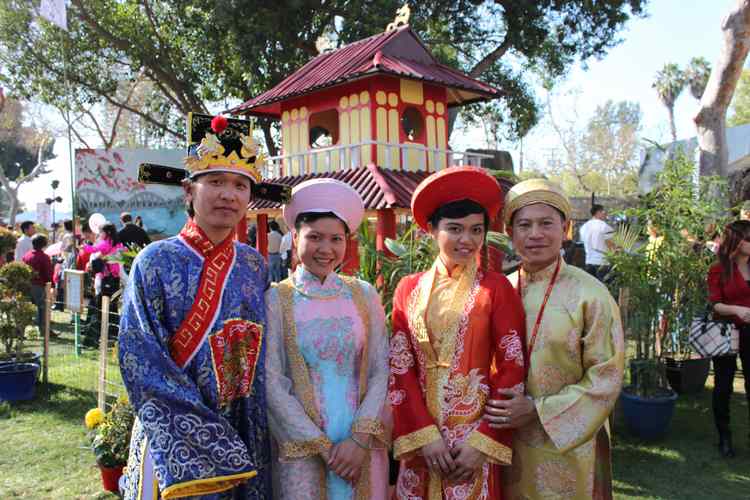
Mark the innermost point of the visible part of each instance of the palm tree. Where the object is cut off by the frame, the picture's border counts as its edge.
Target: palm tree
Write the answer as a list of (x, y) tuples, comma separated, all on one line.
[(697, 74), (669, 83)]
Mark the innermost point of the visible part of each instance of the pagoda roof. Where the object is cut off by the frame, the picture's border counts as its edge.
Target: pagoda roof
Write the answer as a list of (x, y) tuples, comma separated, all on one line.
[(380, 188), (399, 53)]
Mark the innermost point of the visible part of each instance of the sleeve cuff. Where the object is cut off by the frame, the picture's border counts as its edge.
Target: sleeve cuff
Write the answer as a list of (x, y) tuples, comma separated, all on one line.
[(415, 440), (295, 450), (373, 427), (205, 486), (497, 453)]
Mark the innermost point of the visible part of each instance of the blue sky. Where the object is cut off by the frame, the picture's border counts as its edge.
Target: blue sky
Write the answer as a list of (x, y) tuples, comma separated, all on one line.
[(675, 31)]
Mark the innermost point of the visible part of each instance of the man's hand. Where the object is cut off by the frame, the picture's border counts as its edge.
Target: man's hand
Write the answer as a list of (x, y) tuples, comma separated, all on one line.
[(511, 413), (438, 458), (346, 459), (468, 461)]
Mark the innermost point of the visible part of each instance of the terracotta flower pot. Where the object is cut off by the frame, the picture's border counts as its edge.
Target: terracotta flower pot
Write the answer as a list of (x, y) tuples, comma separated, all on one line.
[(111, 478)]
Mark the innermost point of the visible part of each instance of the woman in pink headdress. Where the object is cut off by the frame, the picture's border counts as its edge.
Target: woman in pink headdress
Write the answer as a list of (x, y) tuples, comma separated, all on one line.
[(327, 358)]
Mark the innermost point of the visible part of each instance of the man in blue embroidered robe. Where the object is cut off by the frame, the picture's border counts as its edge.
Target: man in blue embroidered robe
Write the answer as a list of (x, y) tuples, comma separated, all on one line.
[(192, 347)]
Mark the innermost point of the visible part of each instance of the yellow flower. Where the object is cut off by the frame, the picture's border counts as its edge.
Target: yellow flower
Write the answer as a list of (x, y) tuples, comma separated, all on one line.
[(123, 399), (93, 418)]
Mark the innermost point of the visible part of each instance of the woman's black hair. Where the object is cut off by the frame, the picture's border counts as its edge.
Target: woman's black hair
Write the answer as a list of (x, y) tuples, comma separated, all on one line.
[(734, 234), (310, 217), (110, 231), (459, 210)]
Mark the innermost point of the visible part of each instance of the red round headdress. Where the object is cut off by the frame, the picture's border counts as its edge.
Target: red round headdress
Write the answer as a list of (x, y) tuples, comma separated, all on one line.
[(456, 184)]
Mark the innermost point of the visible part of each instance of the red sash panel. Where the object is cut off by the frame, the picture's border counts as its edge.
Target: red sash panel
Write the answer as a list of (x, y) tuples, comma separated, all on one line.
[(217, 264), (235, 352)]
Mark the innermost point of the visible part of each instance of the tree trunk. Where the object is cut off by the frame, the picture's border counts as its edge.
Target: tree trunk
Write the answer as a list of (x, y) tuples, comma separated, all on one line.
[(13, 209), (711, 117), (672, 127), (265, 126)]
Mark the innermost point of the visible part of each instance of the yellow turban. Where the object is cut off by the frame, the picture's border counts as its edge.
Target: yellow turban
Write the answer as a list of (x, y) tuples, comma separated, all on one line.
[(535, 191)]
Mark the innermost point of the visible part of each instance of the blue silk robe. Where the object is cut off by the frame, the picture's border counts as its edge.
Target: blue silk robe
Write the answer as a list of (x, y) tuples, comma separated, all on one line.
[(201, 428)]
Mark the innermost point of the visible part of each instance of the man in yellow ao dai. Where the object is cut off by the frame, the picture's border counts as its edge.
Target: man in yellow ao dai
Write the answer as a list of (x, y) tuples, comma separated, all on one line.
[(575, 348)]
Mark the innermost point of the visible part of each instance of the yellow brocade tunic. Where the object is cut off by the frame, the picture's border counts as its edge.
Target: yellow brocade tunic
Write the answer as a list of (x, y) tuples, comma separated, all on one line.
[(575, 377)]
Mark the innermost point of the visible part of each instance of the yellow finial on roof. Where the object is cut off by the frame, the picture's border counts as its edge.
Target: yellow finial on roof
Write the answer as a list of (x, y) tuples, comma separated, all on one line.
[(402, 18)]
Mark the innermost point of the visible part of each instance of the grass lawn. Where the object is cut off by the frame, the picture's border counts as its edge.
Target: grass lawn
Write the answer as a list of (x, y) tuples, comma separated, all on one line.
[(43, 454)]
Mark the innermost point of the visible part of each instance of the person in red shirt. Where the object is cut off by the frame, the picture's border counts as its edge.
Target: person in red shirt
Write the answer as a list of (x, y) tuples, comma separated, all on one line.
[(729, 292), (42, 266)]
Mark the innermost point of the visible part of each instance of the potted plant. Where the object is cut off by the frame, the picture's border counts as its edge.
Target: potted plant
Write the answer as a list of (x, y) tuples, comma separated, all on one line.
[(662, 289), (18, 369), (110, 440)]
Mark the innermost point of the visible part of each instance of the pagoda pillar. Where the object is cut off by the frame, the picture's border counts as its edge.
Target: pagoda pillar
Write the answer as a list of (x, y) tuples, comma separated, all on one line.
[(261, 235)]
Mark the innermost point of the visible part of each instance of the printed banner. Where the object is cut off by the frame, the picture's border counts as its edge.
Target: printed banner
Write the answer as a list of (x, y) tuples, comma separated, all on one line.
[(107, 182)]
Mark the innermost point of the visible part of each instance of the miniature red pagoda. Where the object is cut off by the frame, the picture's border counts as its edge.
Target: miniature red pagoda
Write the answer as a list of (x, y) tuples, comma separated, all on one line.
[(374, 114)]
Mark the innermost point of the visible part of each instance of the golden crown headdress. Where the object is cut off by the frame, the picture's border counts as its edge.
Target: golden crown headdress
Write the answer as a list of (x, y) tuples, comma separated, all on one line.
[(221, 144)]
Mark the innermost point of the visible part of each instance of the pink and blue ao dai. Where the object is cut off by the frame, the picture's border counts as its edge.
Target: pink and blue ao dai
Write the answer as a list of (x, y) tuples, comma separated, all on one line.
[(319, 335)]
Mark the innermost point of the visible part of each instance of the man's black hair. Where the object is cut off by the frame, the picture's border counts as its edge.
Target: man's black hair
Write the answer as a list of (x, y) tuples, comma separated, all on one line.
[(596, 208), (26, 224), (274, 226), (459, 210), (68, 225), (39, 241), (310, 217), (125, 217), (559, 212)]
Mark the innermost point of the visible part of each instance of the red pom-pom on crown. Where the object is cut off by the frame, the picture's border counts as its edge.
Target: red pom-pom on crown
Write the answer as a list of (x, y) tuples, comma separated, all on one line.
[(219, 123)]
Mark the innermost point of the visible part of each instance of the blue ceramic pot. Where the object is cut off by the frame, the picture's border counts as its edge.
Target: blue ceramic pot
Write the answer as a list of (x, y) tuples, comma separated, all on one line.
[(647, 418), (17, 381)]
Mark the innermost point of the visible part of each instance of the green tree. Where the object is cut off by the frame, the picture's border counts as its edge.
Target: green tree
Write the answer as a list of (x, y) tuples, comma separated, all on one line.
[(198, 52), (741, 101), (697, 73), (611, 145), (669, 83), (24, 151)]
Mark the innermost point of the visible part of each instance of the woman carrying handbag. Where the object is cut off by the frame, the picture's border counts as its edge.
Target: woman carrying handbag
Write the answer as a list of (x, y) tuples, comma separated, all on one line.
[(729, 292)]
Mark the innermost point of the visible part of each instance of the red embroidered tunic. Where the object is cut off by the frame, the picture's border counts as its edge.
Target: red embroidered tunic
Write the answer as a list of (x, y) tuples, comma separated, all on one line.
[(446, 360)]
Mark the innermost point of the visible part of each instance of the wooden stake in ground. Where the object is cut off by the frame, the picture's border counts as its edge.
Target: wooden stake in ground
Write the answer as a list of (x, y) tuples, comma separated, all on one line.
[(45, 333), (711, 118), (103, 348)]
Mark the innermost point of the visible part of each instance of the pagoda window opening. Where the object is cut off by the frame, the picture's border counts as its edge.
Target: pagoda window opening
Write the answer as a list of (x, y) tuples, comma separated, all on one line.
[(412, 123), (324, 129)]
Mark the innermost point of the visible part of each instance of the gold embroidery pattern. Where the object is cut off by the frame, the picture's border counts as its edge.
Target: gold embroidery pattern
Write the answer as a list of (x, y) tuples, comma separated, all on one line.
[(411, 313), (440, 362), (368, 426), (498, 453), (235, 351), (371, 426), (294, 450), (300, 374), (364, 313), (415, 440), (362, 490)]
